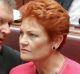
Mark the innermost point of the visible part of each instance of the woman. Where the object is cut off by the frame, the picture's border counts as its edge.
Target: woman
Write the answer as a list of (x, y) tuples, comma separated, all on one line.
[(45, 25)]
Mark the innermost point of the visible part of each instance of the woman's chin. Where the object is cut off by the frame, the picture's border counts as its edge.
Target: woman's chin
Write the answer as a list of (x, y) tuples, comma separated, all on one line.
[(25, 57)]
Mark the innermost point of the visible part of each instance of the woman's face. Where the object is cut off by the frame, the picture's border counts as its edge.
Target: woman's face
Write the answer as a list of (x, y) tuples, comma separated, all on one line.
[(33, 40)]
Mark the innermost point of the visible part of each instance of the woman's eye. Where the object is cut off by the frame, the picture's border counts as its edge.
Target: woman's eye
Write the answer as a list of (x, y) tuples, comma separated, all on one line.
[(33, 35), (21, 33)]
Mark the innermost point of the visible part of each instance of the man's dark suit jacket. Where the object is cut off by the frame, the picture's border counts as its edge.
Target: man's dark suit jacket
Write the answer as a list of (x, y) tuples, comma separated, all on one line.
[(9, 58), (65, 3)]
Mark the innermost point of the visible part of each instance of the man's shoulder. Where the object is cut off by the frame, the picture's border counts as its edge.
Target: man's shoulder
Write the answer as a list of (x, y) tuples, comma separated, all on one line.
[(10, 53), (10, 50)]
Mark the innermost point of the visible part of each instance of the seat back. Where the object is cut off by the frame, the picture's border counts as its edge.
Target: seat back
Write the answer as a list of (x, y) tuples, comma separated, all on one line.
[(12, 39), (71, 48)]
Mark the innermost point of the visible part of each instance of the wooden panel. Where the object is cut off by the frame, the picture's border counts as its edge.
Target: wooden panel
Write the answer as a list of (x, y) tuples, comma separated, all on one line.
[(19, 3)]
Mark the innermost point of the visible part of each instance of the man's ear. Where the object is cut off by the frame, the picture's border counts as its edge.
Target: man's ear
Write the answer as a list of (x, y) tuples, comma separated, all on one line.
[(57, 40)]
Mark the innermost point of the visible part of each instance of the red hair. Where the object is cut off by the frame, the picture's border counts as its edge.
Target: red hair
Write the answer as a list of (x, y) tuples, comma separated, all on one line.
[(51, 15)]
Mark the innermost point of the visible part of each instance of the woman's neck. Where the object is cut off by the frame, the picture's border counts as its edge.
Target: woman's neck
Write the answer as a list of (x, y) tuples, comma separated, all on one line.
[(50, 65)]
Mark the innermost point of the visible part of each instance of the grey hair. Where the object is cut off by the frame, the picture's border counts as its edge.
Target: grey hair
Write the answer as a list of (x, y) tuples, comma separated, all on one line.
[(11, 3)]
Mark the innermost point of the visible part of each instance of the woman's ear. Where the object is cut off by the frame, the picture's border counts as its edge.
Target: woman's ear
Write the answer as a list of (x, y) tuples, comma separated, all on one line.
[(57, 40)]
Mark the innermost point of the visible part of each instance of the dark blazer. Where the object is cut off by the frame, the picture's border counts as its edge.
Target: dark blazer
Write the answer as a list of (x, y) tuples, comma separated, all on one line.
[(9, 58), (65, 3)]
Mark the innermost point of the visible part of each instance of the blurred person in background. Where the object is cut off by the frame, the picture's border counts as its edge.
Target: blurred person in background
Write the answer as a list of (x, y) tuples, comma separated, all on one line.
[(44, 28), (73, 7), (9, 57), (12, 3)]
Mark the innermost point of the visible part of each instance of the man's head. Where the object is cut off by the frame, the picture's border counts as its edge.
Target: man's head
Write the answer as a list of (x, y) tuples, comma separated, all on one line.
[(6, 18)]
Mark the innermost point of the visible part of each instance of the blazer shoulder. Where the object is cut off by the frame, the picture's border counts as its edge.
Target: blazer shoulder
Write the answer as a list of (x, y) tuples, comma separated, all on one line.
[(27, 68)]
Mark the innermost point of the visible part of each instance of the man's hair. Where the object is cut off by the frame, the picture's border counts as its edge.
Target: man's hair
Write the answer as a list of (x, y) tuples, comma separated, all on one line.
[(11, 3), (5, 8), (6, 4)]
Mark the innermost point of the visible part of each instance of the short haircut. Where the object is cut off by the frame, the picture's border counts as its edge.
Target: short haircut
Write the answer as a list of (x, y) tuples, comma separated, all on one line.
[(52, 16)]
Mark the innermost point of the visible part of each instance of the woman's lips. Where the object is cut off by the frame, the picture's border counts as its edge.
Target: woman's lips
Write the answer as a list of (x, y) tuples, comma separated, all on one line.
[(24, 50)]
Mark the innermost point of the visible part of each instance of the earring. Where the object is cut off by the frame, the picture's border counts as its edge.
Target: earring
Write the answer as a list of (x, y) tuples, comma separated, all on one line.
[(53, 48)]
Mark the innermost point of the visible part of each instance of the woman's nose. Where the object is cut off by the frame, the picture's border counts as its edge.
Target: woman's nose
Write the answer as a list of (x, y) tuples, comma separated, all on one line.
[(23, 40)]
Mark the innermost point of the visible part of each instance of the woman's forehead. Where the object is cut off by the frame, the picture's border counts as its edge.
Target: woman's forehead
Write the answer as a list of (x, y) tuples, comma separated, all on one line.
[(32, 26), (31, 23)]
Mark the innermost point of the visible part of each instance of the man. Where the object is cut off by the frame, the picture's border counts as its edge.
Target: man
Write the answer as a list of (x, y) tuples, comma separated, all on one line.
[(12, 3), (73, 7), (65, 3), (8, 56)]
